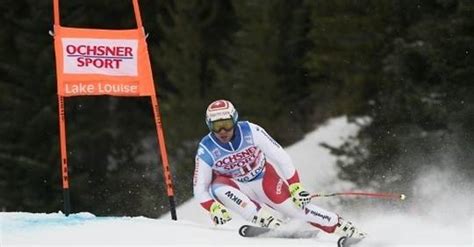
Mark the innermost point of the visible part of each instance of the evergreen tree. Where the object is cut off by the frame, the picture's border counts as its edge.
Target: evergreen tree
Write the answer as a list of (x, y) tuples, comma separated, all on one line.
[(266, 66), (194, 35), (347, 38), (27, 109), (419, 99)]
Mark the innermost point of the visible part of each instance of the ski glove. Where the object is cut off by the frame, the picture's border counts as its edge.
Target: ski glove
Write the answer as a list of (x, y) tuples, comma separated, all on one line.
[(300, 196), (219, 214)]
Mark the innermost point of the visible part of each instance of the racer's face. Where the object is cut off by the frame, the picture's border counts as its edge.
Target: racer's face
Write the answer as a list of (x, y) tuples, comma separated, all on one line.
[(226, 124), (223, 129), (224, 135)]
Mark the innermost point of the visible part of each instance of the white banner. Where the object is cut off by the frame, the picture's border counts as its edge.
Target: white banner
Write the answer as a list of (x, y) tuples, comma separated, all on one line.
[(115, 57)]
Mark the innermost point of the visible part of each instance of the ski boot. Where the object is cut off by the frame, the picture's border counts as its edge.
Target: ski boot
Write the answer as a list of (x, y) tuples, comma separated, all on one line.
[(263, 218), (347, 229)]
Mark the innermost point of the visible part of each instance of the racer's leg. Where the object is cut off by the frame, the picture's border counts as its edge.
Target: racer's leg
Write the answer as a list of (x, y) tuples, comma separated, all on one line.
[(238, 198), (273, 191), (234, 195)]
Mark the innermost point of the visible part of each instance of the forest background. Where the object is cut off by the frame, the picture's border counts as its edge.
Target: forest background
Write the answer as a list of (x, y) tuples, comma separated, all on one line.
[(286, 65)]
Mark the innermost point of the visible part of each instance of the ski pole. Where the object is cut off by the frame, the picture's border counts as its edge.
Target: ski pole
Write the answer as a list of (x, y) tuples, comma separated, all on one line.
[(395, 196)]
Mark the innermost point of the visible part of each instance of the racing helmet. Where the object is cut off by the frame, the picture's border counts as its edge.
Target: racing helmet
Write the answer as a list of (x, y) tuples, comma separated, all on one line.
[(220, 110)]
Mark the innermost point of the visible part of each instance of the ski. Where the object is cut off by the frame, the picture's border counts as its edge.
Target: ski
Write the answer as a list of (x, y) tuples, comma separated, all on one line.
[(250, 231), (347, 242)]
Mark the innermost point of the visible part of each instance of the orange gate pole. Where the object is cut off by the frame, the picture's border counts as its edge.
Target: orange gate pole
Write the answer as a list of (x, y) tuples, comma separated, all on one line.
[(164, 156), (64, 167), (62, 134), (159, 132)]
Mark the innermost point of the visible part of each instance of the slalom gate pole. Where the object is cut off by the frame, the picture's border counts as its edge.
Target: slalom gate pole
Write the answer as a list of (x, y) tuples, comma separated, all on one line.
[(393, 196)]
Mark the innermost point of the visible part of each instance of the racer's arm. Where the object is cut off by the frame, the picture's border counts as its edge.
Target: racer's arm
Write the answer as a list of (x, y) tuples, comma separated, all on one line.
[(278, 156), (201, 182), (275, 154), (202, 179)]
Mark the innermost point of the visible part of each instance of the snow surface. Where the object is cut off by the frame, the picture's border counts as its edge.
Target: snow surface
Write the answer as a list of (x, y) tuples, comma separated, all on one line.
[(442, 214)]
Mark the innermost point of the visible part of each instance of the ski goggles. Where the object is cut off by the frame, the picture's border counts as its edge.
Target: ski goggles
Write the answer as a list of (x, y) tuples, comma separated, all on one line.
[(225, 124)]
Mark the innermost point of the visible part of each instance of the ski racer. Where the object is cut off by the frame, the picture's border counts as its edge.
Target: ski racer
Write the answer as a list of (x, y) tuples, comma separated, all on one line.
[(240, 167)]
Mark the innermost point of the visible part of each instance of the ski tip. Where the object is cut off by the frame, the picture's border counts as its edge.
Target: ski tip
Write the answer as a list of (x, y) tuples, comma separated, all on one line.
[(252, 231), (341, 241), (243, 230), (347, 241)]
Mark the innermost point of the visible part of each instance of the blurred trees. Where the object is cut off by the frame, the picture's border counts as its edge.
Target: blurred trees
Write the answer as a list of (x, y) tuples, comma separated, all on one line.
[(265, 77), (421, 101), (286, 65), (27, 133)]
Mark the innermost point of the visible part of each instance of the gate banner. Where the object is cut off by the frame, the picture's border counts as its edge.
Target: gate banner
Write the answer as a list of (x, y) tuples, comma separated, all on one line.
[(102, 62)]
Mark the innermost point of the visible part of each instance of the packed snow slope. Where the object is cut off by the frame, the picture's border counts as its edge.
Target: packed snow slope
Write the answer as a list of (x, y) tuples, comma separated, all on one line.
[(441, 213)]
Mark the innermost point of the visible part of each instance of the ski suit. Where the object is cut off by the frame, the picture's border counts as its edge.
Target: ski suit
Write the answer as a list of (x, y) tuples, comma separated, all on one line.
[(249, 170)]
